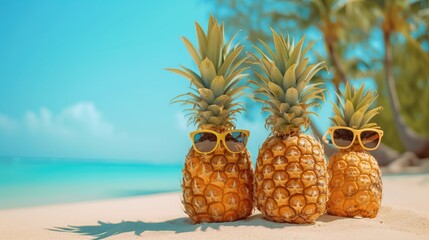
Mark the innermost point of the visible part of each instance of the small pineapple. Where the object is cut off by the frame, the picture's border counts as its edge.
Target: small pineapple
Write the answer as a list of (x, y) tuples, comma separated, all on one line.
[(217, 186), (291, 182), (355, 184)]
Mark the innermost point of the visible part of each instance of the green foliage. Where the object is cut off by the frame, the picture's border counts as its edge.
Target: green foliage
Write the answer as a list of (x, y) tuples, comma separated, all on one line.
[(413, 80), (353, 45)]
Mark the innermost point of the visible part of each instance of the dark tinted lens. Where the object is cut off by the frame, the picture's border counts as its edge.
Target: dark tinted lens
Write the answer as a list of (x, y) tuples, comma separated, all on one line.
[(370, 139), (236, 141), (343, 137), (205, 142)]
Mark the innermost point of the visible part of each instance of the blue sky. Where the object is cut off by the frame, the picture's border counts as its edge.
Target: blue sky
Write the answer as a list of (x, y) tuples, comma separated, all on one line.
[(86, 79)]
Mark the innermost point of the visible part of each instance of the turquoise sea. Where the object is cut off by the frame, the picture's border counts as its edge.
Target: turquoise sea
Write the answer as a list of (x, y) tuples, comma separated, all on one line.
[(26, 182)]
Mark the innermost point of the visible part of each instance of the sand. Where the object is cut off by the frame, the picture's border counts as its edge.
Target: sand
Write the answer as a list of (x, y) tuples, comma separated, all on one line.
[(404, 215)]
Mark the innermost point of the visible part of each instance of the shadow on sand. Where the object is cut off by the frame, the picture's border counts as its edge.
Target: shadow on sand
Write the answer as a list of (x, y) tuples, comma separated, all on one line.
[(328, 218), (180, 225)]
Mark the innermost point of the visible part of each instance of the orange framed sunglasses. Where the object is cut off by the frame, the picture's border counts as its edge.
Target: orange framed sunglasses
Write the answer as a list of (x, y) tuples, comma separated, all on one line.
[(344, 137), (206, 141)]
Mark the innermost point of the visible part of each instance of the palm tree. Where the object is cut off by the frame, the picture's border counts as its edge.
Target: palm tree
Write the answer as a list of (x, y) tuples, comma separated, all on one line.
[(327, 14), (397, 18), (346, 25)]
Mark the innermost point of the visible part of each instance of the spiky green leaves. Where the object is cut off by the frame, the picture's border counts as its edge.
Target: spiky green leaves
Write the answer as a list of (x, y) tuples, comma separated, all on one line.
[(216, 86), (355, 108), (284, 86)]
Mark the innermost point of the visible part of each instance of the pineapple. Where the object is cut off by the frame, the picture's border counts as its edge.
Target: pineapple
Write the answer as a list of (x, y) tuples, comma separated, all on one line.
[(354, 176), (291, 181), (217, 186)]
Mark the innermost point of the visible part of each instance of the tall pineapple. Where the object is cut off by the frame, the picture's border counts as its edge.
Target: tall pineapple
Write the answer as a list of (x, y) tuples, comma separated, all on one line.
[(218, 185), (291, 182), (354, 176)]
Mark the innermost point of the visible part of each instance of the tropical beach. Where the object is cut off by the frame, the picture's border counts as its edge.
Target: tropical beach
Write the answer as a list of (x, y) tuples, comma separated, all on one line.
[(214, 120), (404, 214)]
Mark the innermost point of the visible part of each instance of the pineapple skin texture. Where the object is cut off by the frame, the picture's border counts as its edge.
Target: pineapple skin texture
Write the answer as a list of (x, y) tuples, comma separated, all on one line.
[(217, 187), (354, 183), (291, 181)]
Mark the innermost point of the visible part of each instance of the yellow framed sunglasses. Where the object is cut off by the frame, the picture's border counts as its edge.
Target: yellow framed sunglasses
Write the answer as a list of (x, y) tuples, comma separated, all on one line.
[(344, 137), (206, 141)]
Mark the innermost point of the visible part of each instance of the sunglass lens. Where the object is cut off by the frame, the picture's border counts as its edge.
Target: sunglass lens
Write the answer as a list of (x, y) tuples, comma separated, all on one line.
[(343, 137), (205, 142), (236, 141), (370, 139)]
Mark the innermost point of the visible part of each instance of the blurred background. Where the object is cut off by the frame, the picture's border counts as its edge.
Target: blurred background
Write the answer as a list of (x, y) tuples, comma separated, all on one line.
[(85, 107)]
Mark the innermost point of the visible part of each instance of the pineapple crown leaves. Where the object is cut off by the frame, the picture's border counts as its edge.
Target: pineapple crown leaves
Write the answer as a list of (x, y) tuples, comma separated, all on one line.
[(215, 88), (355, 109), (284, 85)]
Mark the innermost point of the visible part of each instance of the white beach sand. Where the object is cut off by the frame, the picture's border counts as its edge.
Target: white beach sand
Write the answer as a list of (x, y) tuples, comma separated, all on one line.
[(404, 215)]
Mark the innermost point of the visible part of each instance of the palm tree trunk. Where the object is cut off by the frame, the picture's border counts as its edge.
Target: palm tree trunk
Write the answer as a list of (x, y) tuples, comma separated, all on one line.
[(337, 64), (410, 139), (385, 155)]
